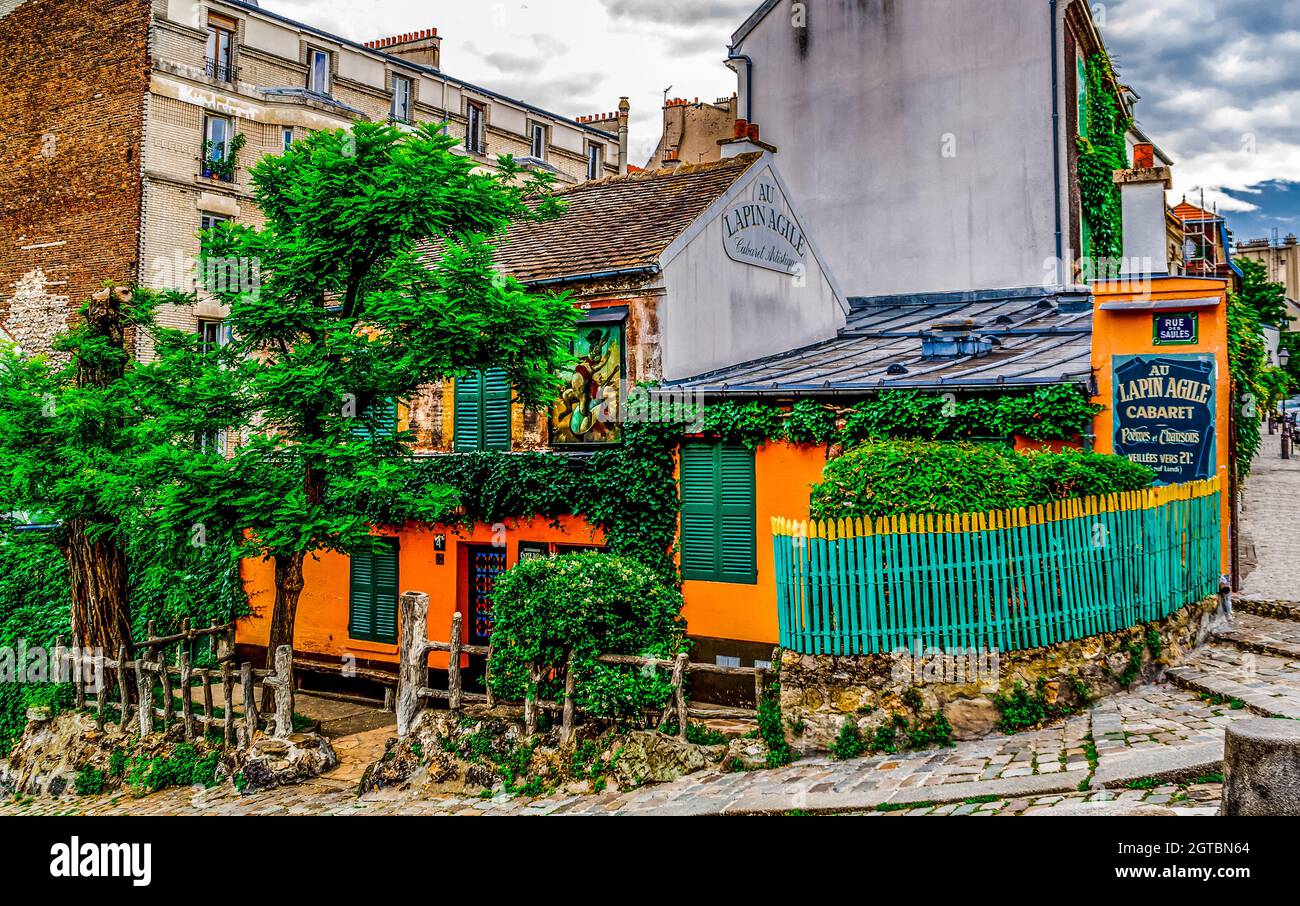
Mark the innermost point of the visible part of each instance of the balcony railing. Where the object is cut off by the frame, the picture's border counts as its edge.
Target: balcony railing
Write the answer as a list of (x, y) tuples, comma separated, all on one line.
[(221, 71)]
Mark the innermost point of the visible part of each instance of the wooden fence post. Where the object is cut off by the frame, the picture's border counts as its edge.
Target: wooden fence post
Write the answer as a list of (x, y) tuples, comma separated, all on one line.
[(530, 702), (487, 678), (570, 683), (123, 694), (282, 682), (77, 660), (227, 705), (101, 692), (679, 692), (205, 677), (165, 673), (144, 690), (187, 696), (250, 703), (453, 664), (413, 670)]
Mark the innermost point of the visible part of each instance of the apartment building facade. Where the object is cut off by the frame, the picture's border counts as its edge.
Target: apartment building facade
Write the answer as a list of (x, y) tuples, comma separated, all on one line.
[(184, 98)]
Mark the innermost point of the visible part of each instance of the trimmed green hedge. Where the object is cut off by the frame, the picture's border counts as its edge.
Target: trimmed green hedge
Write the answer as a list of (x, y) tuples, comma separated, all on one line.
[(883, 479)]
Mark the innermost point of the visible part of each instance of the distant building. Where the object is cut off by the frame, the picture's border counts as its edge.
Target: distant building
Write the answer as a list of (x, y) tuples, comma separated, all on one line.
[(693, 130), (1207, 243), (1282, 258), (112, 174)]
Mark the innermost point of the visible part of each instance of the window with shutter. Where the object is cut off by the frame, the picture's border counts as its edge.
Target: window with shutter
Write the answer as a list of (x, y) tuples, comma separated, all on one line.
[(382, 415), (481, 418), (718, 534), (372, 596)]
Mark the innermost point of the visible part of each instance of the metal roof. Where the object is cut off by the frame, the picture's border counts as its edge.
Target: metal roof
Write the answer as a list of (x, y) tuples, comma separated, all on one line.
[(1039, 338)]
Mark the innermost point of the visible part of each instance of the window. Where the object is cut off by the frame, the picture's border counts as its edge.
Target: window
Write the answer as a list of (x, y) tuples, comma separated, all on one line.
[(211, 221), (474, 123), (372, 595), (719, 538), (401, 109), (537, 141), (213, 335), (1081, 77), (221, 51), (318, 70), (287, 137), (481, 418), (217, 134), (595, 160)]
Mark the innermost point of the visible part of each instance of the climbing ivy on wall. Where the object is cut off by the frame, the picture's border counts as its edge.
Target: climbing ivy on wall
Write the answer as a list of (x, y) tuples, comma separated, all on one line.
[(1101, 153), (630, 491)]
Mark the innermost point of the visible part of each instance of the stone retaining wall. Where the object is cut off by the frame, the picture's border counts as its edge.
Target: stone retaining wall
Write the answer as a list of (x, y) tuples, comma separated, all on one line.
[(820, 692)]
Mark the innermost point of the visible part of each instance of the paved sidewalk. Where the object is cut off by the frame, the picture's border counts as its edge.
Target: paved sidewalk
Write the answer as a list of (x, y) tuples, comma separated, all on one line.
[(1271, 523)]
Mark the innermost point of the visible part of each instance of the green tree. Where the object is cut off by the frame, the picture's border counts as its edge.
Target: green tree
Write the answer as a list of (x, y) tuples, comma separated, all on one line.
[(1264, 297), (68, 446), (336, 314)]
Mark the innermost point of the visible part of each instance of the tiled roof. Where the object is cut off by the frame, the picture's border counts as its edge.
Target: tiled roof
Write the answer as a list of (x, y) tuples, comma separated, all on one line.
[(1188, 211), (617, 223), (1040, 338)]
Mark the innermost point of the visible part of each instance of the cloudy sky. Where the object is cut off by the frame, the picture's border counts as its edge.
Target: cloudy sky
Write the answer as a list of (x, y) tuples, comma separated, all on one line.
[(1219, 79)]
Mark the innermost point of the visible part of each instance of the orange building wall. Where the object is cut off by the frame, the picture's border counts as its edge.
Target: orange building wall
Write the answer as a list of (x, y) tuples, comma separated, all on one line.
[(783, 476), (321, 627), (1129, 332)]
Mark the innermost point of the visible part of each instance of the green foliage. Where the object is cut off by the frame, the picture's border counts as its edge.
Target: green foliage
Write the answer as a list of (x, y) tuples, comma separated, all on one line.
[(1247, 363), (751, 423), (1101, 153), (1020, 710), (771, 728), (589, 604), (882, 479), (183, 766), (89, 781), (849, 744), (223, 166), (917, 731), (809, 422), (1261, 295)]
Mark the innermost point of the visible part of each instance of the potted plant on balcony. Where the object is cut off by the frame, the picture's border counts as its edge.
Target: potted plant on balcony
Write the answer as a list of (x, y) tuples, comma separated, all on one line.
[(221, 166)]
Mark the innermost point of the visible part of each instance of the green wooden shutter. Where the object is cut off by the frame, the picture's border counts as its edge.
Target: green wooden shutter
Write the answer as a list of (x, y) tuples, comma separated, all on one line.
[(699, 539), (496, 410), (481, 420), (738, 551), (385, 589), (372, 597), (361, 597), (383, 414), (468, 414)]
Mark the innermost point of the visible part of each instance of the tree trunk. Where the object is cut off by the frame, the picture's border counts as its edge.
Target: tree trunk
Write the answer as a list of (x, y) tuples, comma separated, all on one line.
[(101, 616), (288, 588)]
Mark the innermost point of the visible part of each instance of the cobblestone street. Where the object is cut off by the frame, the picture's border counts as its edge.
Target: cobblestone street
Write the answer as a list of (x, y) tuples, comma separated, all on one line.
[(1157, 745)]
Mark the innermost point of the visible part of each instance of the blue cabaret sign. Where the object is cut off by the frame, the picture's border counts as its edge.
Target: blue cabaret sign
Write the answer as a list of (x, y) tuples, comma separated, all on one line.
[(1165, 414)]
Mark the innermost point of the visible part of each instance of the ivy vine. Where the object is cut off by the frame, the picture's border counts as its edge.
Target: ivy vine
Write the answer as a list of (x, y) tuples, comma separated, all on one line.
[(1103, 151)]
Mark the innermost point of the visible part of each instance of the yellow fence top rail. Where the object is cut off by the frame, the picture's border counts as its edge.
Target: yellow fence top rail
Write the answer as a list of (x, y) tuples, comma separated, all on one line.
[(952, 523)]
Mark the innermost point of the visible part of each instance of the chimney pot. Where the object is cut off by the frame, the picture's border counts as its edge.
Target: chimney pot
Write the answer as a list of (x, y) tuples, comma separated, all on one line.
[(741, 128), (751, 132), (1144, 156)]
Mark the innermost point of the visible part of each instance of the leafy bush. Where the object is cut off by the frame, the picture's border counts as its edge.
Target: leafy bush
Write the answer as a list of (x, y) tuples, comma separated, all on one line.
[(1073, 473), (849, 744), (883, 479), (592, 604), (89, 781)]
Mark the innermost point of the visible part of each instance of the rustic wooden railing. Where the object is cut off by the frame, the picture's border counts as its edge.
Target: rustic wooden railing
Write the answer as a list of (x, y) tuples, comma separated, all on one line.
[(1006, 580), (413, 688), (90, 672)]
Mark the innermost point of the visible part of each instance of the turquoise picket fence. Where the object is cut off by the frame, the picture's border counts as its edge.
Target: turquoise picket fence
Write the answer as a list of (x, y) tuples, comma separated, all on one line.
[(1006, 580)]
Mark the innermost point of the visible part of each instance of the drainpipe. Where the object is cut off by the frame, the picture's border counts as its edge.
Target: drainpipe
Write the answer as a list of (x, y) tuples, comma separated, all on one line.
[(1056, 150), (749, 80)]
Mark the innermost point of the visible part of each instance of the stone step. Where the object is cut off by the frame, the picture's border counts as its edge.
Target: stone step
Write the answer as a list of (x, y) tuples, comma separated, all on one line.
[(1195, 679), (1262, 635), (1277, 610)]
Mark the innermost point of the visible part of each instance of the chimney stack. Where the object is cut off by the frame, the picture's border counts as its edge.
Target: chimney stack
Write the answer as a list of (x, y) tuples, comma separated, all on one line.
[(1142, 196), (623, 110)]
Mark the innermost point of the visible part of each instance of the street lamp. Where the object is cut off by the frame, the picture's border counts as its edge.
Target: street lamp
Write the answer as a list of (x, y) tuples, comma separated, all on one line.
[(1283, 356)]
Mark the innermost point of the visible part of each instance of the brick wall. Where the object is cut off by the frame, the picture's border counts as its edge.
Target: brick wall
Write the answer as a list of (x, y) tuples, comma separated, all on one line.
[(73, 75)]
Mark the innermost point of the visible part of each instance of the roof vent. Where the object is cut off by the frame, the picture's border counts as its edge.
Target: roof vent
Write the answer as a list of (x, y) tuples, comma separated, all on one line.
[(953, 340), (896, 369)]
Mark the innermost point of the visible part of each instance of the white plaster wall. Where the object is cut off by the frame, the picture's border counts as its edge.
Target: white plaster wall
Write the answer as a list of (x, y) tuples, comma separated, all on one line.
[(719, 312), (861, 115)]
